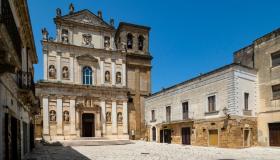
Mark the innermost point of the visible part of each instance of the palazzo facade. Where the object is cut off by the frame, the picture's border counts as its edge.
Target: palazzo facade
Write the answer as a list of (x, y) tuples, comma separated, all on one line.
[(95, 78), (215, 109), (18, 104)]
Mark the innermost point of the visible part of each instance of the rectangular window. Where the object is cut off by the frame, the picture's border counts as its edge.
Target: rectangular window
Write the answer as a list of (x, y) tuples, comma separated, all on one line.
[(185, 106), (276, 91), (168, 113), (153, 115), (212, 104), (275, 58), (246, 101)]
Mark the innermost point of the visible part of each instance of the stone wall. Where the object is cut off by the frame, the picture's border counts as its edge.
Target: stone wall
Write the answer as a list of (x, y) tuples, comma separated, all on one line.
[(230, 132)]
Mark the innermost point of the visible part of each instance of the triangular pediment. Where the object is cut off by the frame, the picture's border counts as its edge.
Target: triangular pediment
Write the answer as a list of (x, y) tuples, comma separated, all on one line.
[(86, 17)]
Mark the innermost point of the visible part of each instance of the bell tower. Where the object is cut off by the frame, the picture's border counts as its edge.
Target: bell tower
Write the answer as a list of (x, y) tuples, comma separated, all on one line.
[(133, 40)]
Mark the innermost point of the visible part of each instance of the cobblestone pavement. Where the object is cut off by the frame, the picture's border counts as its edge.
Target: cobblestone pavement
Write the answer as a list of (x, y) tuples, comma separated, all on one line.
[(152, 151)]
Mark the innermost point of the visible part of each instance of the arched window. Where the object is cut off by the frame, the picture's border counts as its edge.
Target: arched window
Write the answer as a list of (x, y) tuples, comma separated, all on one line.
[(87, 75), (140, 42), (129, 41)]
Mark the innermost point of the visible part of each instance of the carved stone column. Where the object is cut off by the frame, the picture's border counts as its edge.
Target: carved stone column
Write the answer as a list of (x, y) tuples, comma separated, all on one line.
[(76, 74), (113, 72), (45, 52), (59, 113), (101, 71), (124, 73), (125, 118), (78, 123), (103, 116), (45, 116), (58, 67), (98, 125), (71, 69), (114, 118), (72, 116)]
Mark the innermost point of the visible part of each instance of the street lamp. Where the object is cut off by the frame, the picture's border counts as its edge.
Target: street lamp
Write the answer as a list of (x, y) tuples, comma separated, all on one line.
[(225, 110)]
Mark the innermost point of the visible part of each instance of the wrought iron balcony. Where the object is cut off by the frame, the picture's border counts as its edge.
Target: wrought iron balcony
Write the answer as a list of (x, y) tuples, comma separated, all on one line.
[(25, 81), (7, 18)]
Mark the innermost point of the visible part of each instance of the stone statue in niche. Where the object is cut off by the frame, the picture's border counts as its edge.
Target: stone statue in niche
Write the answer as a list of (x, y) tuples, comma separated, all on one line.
[(65, 72), (58, 12), (88, 103), (87, 40), (118, 77), (45, 34), (64, 36), (107, 76), (107, 42), (52, 71), (66, 116), (52, 116), (108, 117), (120, 117)]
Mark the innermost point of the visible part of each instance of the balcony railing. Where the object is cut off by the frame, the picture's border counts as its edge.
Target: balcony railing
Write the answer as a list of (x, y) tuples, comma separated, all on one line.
[(25, 81), (7, 18)]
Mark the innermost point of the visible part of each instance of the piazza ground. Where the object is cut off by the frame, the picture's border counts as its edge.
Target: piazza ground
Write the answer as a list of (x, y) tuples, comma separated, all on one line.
[(152, 151)]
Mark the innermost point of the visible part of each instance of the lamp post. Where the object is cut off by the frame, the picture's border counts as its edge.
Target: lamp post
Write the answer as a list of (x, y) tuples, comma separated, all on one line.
[(225, 111)]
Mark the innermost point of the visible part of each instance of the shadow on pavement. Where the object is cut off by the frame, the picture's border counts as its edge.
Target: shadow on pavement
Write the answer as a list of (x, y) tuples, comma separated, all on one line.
[(54, 151)]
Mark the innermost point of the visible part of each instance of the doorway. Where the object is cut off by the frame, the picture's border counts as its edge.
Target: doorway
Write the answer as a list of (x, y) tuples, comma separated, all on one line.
[(213, 137), (154, 133), (14, 138), (165, 136), (186, 135), (246, 142), (274, 134), (88, 128)]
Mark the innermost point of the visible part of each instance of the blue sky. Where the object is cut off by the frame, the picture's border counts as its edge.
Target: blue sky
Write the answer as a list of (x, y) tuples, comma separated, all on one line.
[(188, 37)]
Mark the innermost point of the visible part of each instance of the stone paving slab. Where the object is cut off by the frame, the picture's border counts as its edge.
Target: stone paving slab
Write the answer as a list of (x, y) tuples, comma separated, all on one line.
[(152, 151)]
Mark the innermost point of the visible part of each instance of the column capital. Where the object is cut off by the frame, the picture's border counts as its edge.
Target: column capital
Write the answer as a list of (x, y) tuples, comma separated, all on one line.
[(72, 97), (45, 51), (60, 96), (58, 53), (102, 58), (72, 55), (113, 60), (114, 100), (45, 96)]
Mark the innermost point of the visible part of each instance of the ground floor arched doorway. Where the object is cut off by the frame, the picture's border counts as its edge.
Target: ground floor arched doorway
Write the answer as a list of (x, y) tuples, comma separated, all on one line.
[(88, 125), (154, 133)]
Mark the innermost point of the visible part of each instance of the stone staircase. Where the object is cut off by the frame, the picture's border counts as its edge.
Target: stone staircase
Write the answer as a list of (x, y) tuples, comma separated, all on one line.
[(94, 141)]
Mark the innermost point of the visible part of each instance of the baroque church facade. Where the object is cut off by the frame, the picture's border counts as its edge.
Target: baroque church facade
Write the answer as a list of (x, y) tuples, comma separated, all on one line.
[(95, 78)]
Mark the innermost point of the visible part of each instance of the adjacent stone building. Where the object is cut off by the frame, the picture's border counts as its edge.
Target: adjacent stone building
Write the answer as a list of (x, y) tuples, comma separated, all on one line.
[(214, 109), (264, 56), (17, 89), (95, 78)]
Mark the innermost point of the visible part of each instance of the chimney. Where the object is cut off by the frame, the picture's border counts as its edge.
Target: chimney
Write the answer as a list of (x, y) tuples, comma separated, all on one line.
[(71, 8), (99, 14), (112, 22)]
